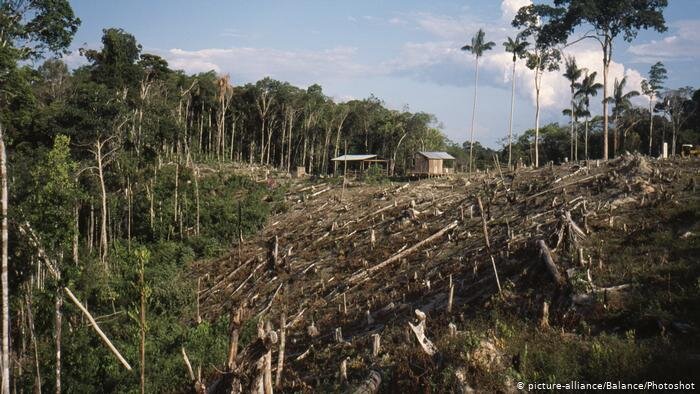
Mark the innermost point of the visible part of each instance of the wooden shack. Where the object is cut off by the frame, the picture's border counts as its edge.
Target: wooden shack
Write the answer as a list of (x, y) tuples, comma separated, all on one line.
[(431, 163), (357, 164)]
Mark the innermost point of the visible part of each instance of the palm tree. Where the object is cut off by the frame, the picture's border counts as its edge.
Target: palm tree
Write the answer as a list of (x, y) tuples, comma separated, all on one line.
[(517, 47), (477, 48), (621, 102), (588, 87), (578, 109), (572, 73)]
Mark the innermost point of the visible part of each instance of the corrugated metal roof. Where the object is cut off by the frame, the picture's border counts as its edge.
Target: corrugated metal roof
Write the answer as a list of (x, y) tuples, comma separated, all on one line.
[(437, 155), (354, 157)]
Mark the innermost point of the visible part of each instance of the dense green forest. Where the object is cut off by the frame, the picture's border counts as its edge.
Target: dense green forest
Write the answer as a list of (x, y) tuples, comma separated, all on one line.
[(119, 174)]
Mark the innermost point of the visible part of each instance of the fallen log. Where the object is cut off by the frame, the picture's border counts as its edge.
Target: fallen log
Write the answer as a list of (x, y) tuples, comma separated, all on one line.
[(369, 385), (403, 253), (549, 262), (97, 329)]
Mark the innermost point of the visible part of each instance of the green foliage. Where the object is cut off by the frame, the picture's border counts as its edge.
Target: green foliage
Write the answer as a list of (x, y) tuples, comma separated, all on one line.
[(375, 175)]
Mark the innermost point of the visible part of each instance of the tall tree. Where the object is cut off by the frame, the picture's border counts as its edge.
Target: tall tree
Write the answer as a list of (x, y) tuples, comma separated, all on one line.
[(677, 104), (477, 48), (544, 56), (28, 30), (608, 20), (518, 48), (588, 88), (572, 73), (621, 103), (577, 110), (651, 87)]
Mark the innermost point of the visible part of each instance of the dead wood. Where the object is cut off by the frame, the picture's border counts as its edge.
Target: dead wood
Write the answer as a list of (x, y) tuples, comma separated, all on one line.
[(549, 263)]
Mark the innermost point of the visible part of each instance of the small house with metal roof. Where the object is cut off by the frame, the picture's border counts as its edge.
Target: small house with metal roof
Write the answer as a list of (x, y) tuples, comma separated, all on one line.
[(432, 163), (359, 163)]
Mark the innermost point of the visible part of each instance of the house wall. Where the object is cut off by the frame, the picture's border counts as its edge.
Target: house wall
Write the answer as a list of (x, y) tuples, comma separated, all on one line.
[(426, 166), (435, 167), (421, 164)]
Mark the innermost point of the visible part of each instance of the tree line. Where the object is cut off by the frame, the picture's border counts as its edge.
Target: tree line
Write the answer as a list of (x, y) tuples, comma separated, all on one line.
[(546, 31)]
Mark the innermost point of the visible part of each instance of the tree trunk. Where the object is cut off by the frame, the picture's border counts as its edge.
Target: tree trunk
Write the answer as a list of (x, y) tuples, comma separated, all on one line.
[(57, 334), (471, 134), (572, 123), (537, 119), (142, 318), (103, 189), (76, 231), (586, 140), (510, 121), (651, 122), (607, 54), (5, 287)]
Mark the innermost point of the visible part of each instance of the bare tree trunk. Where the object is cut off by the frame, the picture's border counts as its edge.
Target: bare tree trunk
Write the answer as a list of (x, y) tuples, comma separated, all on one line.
[(32, 337), (607, 49), (103, 189), (538, 82), (510, 121), (471, 134), (651, 122), (76, 231), (128, 214), (142, 318), (57, 334), (5, 287)]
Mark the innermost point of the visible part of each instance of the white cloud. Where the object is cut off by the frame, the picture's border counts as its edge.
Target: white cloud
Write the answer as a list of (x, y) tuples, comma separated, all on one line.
[(250, 64), (442, 62), (683, 44), (510, 7)]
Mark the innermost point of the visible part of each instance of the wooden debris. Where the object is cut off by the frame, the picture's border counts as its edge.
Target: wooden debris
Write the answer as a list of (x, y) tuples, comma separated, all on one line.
[(404, 253), (549, 262), (369, 385), (419, 331)]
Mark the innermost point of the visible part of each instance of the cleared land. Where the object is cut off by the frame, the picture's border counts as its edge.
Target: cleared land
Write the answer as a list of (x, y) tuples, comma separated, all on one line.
[(597, 277)]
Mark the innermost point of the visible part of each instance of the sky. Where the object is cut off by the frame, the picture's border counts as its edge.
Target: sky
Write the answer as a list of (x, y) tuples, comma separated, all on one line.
[(405, 52)]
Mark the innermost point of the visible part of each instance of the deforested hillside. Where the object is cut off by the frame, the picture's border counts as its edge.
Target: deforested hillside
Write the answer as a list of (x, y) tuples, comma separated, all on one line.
[(584, 272)]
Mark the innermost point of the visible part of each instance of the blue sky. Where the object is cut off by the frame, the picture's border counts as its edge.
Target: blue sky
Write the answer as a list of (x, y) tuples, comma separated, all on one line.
[(405, 52)]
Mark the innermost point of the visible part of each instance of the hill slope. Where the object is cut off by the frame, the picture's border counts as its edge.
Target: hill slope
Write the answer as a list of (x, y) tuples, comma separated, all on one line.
[(622, 287)]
